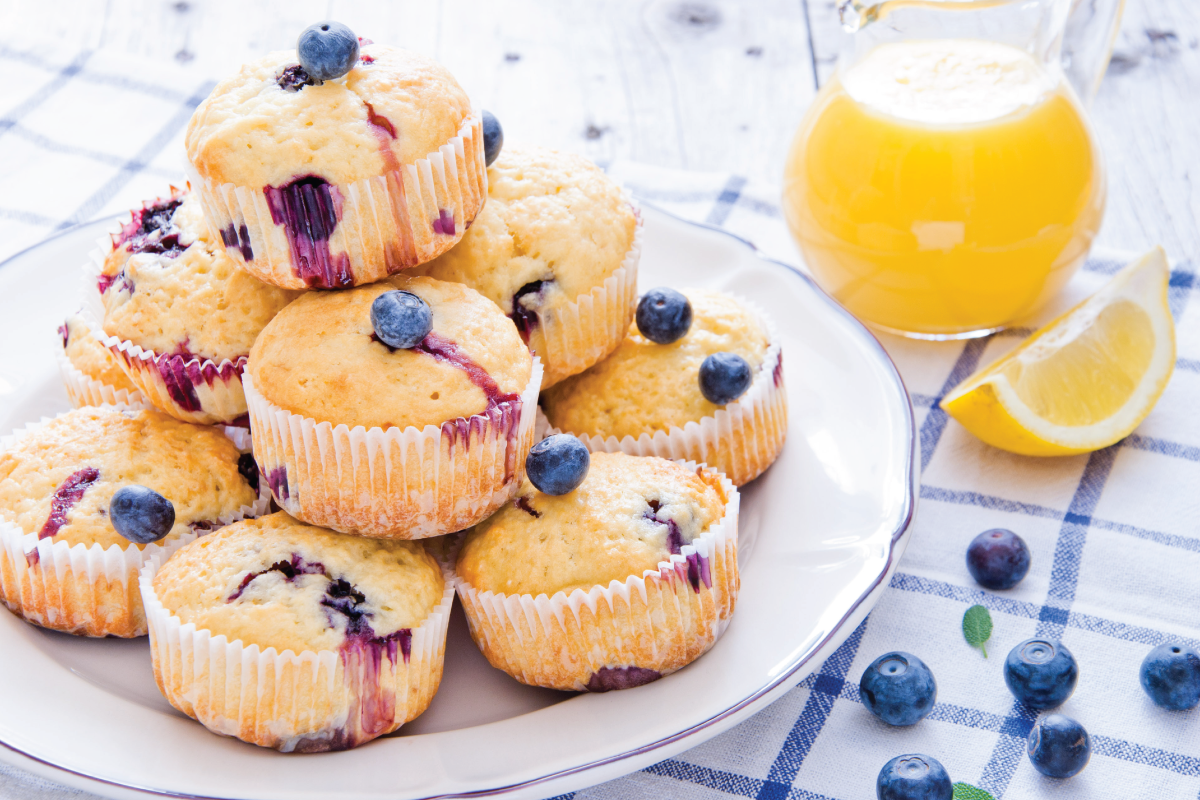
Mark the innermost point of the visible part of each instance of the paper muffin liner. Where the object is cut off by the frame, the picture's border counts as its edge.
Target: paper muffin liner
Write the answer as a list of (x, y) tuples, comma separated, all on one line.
[(621, 635), (573, 337), (741, 440), (189, 388), (81, 589), (84, 390), (397, 483), (311, 702), (382, 224)]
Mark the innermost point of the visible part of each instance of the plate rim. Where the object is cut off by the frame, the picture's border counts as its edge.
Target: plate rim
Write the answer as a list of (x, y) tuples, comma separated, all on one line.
[(746, 704)]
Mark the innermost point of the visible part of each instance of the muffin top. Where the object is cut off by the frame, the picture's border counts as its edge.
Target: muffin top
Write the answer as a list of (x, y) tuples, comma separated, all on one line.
[(90, 357), (168, 286), (554, 227), (270, 123), (320, 358), (277, 582), (629, 514), (58, 479), (645, 387)]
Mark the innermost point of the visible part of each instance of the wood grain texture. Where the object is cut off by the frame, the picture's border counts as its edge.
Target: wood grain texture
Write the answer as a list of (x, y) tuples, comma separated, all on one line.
[(713, 85)]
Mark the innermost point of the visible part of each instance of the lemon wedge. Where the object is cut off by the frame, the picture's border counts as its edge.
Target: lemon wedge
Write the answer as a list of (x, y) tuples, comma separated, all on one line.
[(1085, 380)]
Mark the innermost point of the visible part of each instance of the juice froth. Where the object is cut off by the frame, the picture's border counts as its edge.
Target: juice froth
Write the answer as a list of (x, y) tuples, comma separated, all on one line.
[(944, 187)]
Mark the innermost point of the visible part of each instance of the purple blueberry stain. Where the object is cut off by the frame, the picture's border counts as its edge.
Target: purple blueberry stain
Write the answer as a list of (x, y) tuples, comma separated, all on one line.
[(309, 208), (65, 333), (523, 504), (524, 315), (120, 280), (151, 230), (68, 493), (238, 239), (674, 537), (248, 469), (606, 679), (449, 352), (277, 480), (444, 224), (698, 572), (293, 78)]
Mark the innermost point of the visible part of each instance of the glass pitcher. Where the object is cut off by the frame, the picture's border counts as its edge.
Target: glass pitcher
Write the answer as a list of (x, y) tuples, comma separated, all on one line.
[(946, 182)]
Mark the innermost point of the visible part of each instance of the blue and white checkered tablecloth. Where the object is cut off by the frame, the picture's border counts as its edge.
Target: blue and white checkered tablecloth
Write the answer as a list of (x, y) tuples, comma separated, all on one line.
[(1115, 535)]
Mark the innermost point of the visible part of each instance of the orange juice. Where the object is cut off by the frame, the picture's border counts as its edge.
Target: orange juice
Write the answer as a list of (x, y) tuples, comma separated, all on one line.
[(944, 187)]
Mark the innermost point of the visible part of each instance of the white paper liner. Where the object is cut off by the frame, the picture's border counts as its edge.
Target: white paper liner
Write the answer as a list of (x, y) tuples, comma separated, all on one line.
[(400, 483), (311, 702), (81, 589), (192, 389), (573, 337), (623, 634), (741, 440), (84, 390), (385, 223)]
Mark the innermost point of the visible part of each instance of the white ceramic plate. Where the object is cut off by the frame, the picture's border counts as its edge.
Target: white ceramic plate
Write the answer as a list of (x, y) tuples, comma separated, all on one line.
[(821, 532)]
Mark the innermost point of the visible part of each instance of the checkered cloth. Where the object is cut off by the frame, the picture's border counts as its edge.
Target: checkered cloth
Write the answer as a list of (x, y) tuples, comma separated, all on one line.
[(1114, 535)]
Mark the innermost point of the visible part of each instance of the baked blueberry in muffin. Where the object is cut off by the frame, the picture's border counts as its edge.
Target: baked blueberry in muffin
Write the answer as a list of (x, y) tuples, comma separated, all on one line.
[(652, 543), (556, 248), (649, 398), (370, 612), (178, 314), (338, 182), (406, 442), (57, 483)]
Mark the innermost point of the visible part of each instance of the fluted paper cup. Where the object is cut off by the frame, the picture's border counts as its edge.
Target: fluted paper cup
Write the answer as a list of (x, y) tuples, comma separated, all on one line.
[(303, 703), (621, 635), (397, 483), (189, 388), (575, 336), (81, 589), (84, 390), (741, 440), (380, 225)]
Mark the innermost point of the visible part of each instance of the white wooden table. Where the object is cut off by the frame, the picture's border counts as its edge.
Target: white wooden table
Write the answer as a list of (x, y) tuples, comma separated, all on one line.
[(713, 85)]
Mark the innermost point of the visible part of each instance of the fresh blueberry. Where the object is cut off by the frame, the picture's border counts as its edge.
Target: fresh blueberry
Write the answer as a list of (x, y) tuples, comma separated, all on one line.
[(327, 50), (557, 464), (998, 559), (664, 315), (140, 514), (1041, 673), (724, 377), (493, 137), (1171, 676), (898, 688), (913, 777), (401, 319), (1059, 747)]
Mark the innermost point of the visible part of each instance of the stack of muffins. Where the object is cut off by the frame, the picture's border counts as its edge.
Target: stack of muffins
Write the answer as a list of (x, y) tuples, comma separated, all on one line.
[(325, 182)]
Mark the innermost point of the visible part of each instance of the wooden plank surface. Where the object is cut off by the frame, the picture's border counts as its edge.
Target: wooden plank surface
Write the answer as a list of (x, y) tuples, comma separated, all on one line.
[(715, 85)]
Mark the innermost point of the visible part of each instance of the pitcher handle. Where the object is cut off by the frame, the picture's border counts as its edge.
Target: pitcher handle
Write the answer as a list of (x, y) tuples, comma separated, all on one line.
[(1088, 42)]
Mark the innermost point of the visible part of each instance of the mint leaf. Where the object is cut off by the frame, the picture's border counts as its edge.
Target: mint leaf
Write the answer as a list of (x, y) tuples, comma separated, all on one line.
[(965, 791), (977, 627)]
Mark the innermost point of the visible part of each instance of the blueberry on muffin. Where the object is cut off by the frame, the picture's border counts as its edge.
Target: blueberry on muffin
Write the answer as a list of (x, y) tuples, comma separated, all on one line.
[(556, 247), (634, 575), (361, 436), (179, 314), (336, 183), (350, 630), (688, 397), (64, 564), (91, 374)]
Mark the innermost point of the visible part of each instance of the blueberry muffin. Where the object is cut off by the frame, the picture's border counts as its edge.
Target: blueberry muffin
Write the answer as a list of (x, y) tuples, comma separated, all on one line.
[(634, 574), (91, 374), (406, 442), (647, 399), (342, 182), (63, 564), (351, 631), (178, 313), (556, 247)]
